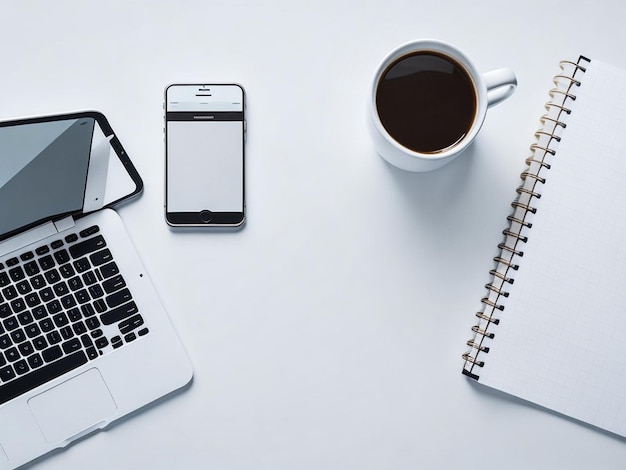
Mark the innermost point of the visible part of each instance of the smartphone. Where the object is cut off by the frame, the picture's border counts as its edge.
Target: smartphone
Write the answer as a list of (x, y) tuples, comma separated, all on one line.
[(205, 131)]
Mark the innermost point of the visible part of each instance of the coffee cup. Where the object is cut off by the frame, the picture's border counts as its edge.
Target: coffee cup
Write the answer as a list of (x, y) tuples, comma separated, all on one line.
[(428, 101)]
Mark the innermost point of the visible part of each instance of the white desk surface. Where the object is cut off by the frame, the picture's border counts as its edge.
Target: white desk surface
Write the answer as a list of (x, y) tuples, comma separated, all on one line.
[(328, 333)]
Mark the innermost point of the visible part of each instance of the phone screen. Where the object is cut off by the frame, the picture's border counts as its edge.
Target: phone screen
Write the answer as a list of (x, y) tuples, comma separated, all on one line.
[(205, 154)]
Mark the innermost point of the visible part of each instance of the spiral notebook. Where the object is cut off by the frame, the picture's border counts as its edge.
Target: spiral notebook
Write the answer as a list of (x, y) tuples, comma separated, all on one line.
[(552, 328)]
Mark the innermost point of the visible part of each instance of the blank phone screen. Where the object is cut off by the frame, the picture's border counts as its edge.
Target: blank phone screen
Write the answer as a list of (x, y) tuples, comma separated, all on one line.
[(205, 151)]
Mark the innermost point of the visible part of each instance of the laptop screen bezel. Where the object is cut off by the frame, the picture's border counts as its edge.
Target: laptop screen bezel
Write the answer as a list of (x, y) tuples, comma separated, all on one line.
[(118, 152)]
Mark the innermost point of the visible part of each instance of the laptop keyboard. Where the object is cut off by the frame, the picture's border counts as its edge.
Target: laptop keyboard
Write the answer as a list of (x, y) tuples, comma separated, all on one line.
[(61, 305)]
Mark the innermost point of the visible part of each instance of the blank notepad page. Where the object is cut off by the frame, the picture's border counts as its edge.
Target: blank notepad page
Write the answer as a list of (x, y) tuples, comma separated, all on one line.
[(561, 340)]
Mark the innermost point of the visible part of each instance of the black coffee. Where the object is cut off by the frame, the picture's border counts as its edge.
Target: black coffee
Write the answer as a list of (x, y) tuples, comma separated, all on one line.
[(426, 101)]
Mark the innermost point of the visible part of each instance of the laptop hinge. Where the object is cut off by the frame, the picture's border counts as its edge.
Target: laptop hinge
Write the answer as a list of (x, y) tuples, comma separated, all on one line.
[(35, 234), (64, 223)]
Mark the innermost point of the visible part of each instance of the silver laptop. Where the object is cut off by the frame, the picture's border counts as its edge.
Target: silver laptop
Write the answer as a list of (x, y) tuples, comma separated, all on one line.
[(84, 339)]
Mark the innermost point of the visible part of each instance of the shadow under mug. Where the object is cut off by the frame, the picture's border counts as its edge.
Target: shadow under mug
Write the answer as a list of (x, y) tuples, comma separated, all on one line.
[(488, 89)]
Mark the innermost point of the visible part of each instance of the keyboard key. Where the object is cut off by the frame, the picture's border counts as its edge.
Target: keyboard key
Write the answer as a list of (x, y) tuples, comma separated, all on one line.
[(96, 291), (109, 270), (46, 294), (87, 310), (97, 333), (4, 279), (18, 305), (119, 313), (86, 340), (39, 312), (25, 318), (92, 323), (35, 361), (26, 349), (21, 367), (101, 257), (42, 250), (54, 307), (92, 353), (38, 282), (68, 301), (12, 262), (10, 323), (82, 265), (31, 268), (118, 298), (75, 283), (54, 337), (82, 296), (46, 262), (32, 330), (60, 319), (67, 271), (60, 289), (52, 276), (71, 346), (6, 373), (89, 231), (52, 353), (113, 284), (71, 238), (100, 306), (79, 328), (5, 341), (12, 354), (74, 315), (5, 310), (17, 274), (88, 246), (40, 343), (46, 325), (89, 278), (66, 332), (130, 324), (62, 256), (32, 300), (18, 336), (40, 376), (23, 287), (9, 292), (56, 244)]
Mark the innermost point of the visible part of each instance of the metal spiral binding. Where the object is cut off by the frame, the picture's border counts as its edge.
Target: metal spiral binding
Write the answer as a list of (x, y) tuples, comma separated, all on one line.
[(544, 149)]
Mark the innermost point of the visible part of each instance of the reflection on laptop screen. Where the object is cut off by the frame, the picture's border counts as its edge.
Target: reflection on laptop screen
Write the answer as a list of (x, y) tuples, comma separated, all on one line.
[(43, 170)]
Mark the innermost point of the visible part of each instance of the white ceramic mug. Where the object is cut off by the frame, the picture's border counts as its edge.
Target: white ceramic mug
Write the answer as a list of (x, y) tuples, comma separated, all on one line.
[(490, 88)]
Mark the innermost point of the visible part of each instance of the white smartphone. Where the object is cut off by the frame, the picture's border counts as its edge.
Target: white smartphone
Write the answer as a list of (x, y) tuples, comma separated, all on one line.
[(205, 130)]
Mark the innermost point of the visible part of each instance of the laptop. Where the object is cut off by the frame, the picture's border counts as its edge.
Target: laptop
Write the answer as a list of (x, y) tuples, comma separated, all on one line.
[(84, 338)]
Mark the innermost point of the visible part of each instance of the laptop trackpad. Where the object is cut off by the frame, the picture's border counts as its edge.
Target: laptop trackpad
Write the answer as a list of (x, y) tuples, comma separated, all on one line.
[(73, 407)]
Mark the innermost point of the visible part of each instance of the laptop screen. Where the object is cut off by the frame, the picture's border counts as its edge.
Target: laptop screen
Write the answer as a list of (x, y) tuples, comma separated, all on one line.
[(43, 170), (57, 167)]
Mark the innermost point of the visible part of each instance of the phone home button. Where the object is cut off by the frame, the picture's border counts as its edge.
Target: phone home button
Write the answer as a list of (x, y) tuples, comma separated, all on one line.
[(206, 216)]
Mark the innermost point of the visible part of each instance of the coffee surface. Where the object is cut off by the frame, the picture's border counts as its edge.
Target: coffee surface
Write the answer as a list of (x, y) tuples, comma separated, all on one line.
[(426, 101)]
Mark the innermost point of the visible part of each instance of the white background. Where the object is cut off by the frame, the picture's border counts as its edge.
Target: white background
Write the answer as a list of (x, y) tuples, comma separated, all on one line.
[(328, 333)]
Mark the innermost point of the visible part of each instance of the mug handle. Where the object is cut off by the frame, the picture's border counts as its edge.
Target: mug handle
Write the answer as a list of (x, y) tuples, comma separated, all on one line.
[(501, 84)]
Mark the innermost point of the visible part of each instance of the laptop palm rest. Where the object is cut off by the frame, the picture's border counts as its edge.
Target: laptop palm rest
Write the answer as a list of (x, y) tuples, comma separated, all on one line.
[(73, 408)]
